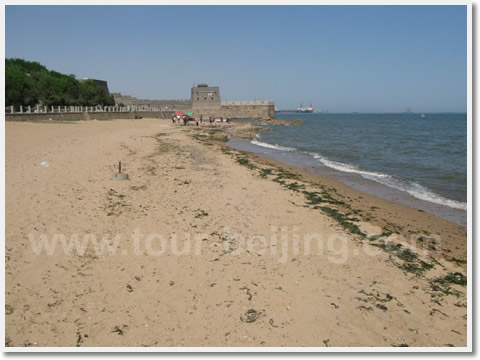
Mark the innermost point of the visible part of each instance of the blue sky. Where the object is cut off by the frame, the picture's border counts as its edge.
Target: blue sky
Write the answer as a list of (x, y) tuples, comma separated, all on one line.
[(340, 58)]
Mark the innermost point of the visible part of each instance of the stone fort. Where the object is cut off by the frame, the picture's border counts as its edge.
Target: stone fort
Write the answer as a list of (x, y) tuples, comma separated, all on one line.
[(205, 100)]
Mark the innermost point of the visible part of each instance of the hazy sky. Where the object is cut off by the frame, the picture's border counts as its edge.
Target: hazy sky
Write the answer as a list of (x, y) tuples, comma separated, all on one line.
[(340, 58)]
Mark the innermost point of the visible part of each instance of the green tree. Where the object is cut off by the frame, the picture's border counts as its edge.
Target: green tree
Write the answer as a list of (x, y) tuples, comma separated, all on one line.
[(29, 82), (19, 89)]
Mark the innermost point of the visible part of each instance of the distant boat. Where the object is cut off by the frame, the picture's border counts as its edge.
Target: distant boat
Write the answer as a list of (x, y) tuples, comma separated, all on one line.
[(423, 116), (300, 109), (308, 109)]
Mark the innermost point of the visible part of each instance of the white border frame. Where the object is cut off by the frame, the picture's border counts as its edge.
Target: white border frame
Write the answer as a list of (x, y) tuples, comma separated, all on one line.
[(468, 348)]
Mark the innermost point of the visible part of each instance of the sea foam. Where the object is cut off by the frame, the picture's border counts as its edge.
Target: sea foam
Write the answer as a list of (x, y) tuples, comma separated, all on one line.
[(270, 146), (416, 190)]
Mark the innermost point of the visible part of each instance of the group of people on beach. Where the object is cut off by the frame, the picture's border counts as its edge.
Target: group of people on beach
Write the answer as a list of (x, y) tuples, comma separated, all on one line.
[(177, 118), (186, 118), (213, 119)]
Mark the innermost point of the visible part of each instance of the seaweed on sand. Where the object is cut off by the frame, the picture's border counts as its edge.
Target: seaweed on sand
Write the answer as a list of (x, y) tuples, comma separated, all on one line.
[(443, 284), (343, 220), (246, 162), (411, 262)]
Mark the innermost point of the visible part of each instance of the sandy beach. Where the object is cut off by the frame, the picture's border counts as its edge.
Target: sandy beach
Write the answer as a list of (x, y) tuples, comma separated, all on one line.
[(208, 246)]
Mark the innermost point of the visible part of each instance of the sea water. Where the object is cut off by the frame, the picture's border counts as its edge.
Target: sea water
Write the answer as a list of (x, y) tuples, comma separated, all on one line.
[(415, 160)]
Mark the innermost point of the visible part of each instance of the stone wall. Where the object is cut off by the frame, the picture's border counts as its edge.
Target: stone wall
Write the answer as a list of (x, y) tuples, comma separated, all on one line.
[(205, 100), (88, 116), (164, 104), (248, 111), (232, 111), (238, 111)]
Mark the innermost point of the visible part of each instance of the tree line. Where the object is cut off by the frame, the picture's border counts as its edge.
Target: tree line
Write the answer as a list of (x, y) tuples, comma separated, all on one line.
[(28, 83)]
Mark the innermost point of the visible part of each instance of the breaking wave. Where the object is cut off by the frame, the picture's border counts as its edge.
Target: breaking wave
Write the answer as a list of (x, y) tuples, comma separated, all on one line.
[(416, 190), (270, 146), (412, 188)]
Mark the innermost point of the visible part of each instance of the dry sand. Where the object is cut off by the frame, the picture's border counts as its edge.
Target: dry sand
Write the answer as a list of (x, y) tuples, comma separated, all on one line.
[(362, 289)]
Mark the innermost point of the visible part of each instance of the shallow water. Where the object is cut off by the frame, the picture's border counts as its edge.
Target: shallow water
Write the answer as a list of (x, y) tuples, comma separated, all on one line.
[(420, 162)]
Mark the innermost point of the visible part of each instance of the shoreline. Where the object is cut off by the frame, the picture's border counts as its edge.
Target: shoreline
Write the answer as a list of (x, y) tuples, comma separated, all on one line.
[(382, 212), (356, 181), (443, 201), (274, 253)]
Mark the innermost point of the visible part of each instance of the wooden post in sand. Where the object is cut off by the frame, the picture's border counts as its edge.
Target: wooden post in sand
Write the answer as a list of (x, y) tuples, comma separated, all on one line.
[(120, 176)]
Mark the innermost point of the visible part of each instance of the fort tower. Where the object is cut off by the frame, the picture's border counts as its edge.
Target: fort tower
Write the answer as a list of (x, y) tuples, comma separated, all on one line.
[(205, 96)]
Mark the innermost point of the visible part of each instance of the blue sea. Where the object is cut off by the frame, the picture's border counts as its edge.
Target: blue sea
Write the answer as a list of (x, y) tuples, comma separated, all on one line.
[(423, 158)]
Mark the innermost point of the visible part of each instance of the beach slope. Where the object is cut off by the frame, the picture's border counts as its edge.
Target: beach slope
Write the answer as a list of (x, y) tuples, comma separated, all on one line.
[(208, 246)]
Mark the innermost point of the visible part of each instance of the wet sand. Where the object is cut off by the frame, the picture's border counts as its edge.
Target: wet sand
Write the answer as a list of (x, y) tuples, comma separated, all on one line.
[(353, 180), (276, 257)]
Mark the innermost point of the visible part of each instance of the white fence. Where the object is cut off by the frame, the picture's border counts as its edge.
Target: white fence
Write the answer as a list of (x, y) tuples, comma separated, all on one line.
[(80, 109)]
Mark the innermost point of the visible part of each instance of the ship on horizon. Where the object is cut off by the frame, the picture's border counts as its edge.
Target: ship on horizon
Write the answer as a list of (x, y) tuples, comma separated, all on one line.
[(301, 109)]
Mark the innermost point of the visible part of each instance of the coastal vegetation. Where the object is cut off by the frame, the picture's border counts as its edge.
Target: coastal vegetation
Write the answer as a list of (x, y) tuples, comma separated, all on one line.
[(28, 83)]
